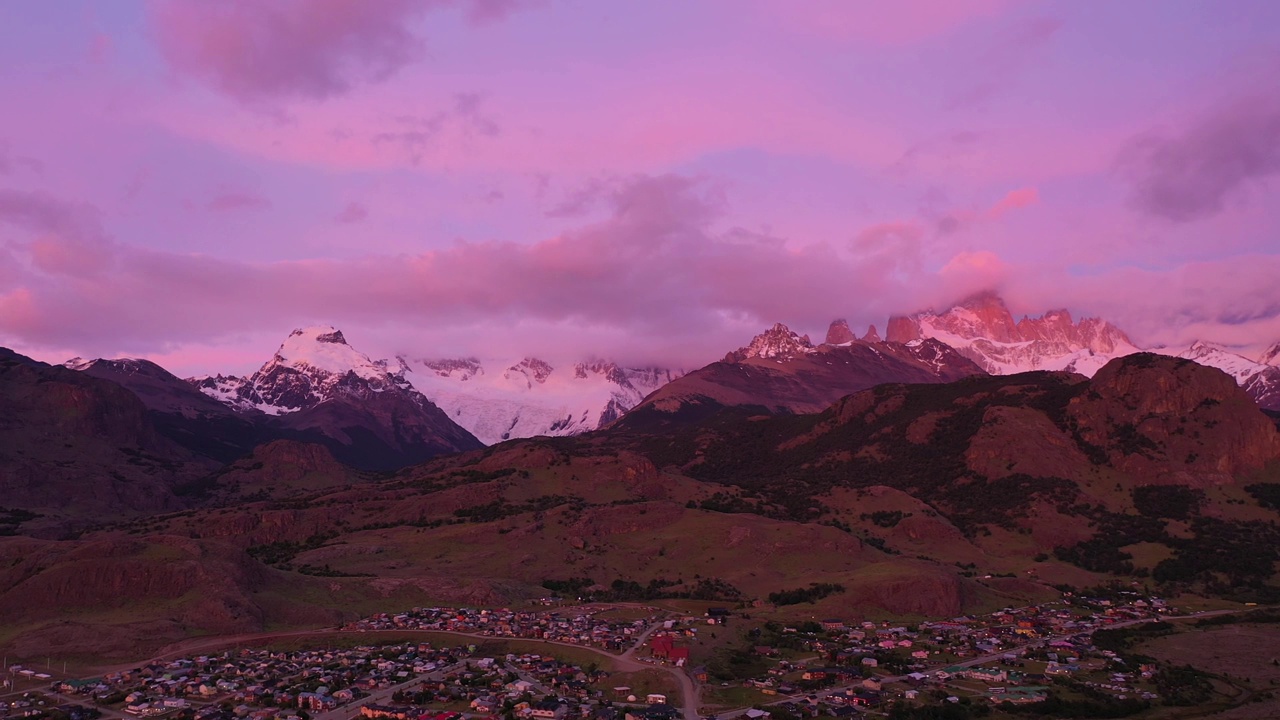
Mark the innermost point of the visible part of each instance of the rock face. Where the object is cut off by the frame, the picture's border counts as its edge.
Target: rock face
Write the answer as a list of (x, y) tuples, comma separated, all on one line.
[(77, 446), (839, 333), (1260, 380), (983, 329), (1168, 418), (180, 411)]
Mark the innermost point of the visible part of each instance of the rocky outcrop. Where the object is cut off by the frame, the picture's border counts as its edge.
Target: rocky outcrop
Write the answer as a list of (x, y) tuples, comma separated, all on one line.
[(839, 333), (1166, 418)]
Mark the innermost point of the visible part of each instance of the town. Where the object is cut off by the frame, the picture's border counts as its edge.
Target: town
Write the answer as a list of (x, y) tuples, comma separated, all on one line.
[(829, 668)]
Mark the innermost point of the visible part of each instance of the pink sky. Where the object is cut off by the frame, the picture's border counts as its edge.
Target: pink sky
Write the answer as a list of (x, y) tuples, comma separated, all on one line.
[(650, 182)]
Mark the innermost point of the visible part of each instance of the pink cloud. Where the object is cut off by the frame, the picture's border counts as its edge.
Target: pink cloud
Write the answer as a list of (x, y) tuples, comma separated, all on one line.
[(1014, 199), (652, 280), (317, 49), (229, 200)]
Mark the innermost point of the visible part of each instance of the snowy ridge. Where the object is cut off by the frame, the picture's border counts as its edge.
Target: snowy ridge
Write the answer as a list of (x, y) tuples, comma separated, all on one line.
[(1271, 356), (1237, 366), (530, 397), (494, 401)]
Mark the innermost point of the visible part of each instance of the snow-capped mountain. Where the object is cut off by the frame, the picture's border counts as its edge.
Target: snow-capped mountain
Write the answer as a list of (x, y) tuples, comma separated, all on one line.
[(492, 400), (982, 329), (317, 384), (1259, 380), (500, 400), (779, 343), (312, 365)]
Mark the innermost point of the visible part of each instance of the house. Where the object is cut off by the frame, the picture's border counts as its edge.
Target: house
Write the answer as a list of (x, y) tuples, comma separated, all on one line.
[(520, 687), (655, 699), (653, 712), (548, 710)]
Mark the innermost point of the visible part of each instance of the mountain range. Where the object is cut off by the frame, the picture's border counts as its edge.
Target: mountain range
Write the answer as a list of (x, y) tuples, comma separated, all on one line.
[(922, 496)]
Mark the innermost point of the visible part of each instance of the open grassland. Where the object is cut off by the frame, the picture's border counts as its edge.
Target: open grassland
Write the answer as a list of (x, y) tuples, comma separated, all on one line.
[(1248, 652)]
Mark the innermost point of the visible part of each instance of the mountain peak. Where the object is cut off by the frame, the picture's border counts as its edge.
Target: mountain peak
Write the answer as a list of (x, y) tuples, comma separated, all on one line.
[(982, 328), (872, 336), (777, 343), (839, 333)]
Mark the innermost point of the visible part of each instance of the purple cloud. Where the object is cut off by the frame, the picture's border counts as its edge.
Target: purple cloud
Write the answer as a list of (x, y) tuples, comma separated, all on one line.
[(316, 49), (230, 200), (1194, 174), (353, 213)]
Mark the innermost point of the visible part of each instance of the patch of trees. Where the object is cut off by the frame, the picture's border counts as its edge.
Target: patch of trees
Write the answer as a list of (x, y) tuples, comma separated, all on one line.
[(1119, 640), (731, 503), (1128, 439), (886, 518), (631, 591), (12, 518), (1183, 686), (963, 710), (1100, 554), (1001, 501), (283, 552), (1267, 494), (1167, 501), (1094, 704), (811, 594), (499, 509)]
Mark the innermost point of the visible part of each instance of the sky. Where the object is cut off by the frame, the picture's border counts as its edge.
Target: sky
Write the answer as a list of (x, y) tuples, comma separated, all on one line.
[(650, 182)]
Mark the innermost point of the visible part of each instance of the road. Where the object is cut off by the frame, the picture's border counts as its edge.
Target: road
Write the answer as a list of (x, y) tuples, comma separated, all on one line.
[(383, 696)]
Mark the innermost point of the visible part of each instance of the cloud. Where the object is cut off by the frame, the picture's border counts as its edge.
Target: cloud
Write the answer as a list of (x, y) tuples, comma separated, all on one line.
[(1014, 199), (1194, 174), (953, 221), (897, 23), (354, 212), (232, 200), (461, 122), (67, 238), (654, 280), (10, 162), (254, 50), (653, 270), (314, 49)]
